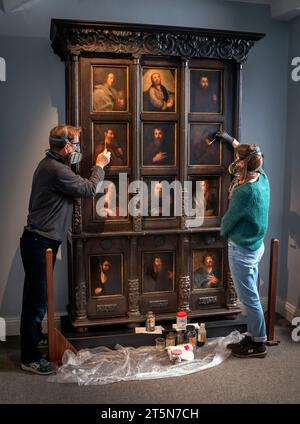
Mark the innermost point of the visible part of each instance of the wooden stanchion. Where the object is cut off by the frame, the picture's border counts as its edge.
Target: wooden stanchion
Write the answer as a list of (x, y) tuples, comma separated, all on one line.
[(57, 343), (271, 311)]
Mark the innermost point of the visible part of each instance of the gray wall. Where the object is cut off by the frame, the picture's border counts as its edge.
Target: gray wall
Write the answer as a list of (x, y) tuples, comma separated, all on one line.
[(32, 101), (289, 289)]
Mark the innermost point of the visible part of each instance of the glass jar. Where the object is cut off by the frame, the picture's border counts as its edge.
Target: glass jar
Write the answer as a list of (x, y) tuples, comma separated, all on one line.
[(160, 344), (170, 339), (191, 334), (175, 356), (150, 321), (181, 320)]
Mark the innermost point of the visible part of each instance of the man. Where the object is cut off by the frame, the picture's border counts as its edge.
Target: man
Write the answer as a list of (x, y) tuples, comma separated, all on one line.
[(104, 281), (245, 224), (157, 98), (107, 205), (203, 151), (209, 199), (206, 276), (54, 188), (158, 151), (205, 99), (118, 155), (158, 277), (106, 97)]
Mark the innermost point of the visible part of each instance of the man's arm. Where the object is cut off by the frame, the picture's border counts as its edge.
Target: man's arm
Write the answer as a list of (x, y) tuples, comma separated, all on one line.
[(156, 102), (75, 186)]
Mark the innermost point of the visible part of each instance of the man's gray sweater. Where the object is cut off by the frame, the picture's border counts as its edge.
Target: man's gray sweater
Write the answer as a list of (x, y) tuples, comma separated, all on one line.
[(54, 187)]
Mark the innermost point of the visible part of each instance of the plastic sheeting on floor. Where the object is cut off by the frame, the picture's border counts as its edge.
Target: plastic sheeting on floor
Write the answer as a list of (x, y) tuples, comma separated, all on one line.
[(102, 365)]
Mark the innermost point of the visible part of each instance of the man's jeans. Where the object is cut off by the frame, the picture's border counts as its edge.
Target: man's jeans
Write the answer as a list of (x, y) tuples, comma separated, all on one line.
[(33, 249), (243, 265)]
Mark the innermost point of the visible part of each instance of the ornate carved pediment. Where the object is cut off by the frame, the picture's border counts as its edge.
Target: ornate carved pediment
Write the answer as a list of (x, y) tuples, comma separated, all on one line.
[(75, 37)]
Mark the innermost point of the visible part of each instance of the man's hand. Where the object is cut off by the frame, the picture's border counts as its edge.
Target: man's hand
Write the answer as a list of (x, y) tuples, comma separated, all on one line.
[(212, 281), (103, 158), (159, 156)]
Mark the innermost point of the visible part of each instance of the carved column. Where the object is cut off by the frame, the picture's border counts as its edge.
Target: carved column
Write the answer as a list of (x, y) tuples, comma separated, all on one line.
[(136, 130), (231, 297), (73, 116), (184, 92), (80, 289), (238, 101), (184, 284), (133, 281)]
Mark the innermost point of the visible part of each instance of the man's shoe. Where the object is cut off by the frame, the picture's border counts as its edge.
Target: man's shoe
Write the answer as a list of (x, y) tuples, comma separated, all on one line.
[(249, 349), (42, 367), (246, 340)]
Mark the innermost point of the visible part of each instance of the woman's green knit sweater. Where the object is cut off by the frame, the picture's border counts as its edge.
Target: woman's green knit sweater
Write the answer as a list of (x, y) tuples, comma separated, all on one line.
[(246, 220)]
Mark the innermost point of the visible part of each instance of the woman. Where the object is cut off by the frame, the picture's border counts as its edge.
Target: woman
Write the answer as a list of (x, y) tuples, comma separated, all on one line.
[(245, 224)]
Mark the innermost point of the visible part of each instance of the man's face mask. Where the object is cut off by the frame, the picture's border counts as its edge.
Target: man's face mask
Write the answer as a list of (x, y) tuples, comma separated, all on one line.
[(75, 156)]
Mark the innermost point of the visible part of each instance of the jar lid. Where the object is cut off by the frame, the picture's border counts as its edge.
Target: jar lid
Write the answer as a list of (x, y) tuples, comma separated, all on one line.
[(190, 327), (181, 314)]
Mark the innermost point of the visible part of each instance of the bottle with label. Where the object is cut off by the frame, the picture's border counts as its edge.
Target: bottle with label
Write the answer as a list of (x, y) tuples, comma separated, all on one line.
[(150, 321), (201, 335)]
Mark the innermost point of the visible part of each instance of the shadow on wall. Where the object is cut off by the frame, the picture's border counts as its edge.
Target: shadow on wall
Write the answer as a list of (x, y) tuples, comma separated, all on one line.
[(291, 241), (294, 229), (32, 102), (12, 299), (294, 232)]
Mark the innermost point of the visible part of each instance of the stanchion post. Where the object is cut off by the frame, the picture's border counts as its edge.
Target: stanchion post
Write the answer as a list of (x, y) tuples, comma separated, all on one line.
[(273, 274)]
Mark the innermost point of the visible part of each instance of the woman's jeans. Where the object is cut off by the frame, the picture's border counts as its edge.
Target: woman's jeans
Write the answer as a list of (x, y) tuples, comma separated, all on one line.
[(243, 265), (33, 249)]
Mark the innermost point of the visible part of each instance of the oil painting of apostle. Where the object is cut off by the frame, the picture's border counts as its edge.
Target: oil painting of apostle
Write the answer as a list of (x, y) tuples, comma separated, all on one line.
[(109, 89), (206, 91), (159, 90), (158, 272)]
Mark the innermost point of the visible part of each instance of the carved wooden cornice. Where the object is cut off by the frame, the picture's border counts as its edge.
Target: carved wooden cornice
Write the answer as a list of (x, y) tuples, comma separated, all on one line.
[(77, 37)]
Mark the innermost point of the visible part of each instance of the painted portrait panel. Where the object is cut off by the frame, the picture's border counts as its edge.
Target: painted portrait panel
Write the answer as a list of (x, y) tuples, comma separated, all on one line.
[(206, 91), (206, 194), (160, 199), (106, 275), (113, 137), (158, 272), (159, 144), (203, 148), (107, 206), (207, 269), (110, 88), (159, 90)]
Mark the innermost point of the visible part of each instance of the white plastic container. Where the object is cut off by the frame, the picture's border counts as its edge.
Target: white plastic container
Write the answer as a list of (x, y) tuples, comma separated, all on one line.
[(181, 320)]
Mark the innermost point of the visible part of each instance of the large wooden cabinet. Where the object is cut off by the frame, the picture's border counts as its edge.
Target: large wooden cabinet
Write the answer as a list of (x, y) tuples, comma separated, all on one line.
[(154, 96)]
